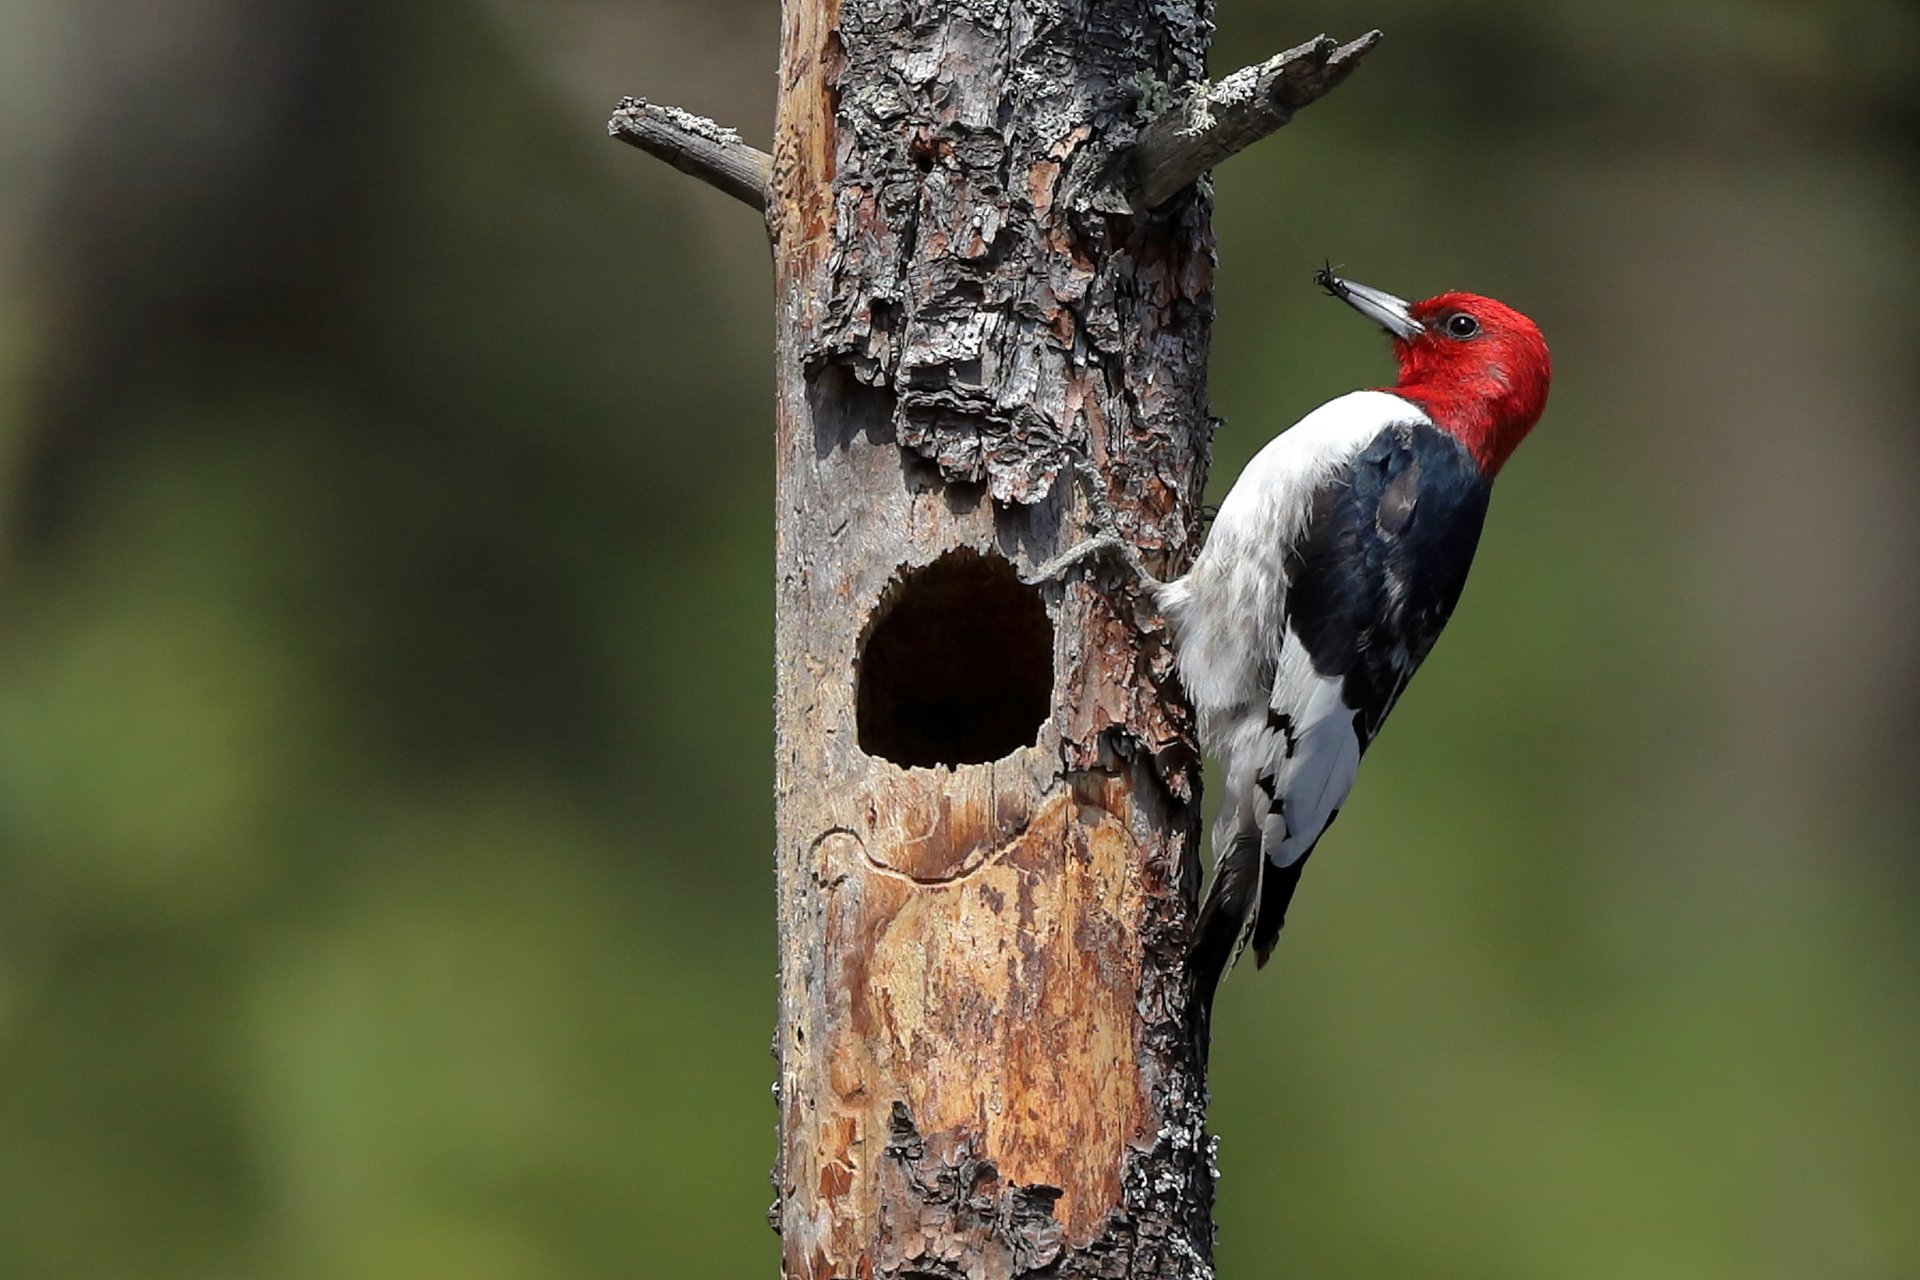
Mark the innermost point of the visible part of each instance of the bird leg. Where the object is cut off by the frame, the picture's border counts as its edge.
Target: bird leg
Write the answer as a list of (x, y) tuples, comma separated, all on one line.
[(1107, 542), (1093, 548)]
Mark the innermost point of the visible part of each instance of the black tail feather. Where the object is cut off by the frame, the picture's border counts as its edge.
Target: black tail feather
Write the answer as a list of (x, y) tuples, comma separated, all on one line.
[(1229, 915), (1276, 891), (1221, 929)]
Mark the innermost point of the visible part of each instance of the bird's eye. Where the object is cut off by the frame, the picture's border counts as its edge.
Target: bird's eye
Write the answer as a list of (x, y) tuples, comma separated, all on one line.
[(1462, 325)]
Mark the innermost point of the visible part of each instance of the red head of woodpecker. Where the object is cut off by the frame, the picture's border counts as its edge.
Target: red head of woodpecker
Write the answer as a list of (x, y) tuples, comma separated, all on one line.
[(1334, 563), (1477, 367)]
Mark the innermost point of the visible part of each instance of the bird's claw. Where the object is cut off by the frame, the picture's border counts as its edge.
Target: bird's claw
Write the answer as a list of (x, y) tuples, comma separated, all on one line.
[(1093, 548), (1106, 539)]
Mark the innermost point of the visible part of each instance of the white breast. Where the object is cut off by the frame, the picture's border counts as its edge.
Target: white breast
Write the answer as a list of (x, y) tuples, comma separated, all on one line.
[(1226, 612)]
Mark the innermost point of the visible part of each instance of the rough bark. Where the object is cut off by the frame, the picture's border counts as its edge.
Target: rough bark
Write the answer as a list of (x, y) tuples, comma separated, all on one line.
[(983, 1071)]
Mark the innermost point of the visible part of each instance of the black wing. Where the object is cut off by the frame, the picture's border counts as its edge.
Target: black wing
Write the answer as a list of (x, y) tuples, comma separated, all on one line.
[(1382, 562)]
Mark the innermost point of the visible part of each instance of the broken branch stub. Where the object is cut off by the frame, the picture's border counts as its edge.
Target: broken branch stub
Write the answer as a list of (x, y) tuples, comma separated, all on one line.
[(695, 145), (1219, 119)]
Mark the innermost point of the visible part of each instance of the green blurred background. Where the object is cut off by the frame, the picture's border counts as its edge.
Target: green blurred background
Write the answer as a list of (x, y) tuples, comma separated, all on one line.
[(385, 885)]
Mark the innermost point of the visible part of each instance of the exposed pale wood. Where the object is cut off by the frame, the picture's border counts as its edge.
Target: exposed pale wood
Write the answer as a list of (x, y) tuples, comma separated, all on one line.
[(695, 145), (1213, 121)]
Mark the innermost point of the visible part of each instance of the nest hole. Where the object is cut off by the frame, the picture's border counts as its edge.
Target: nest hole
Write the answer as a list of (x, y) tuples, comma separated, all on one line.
[(957, 666)]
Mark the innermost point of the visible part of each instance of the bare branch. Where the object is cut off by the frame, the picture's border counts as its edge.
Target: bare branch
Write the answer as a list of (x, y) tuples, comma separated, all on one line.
[(694, 144), (1232, 114)]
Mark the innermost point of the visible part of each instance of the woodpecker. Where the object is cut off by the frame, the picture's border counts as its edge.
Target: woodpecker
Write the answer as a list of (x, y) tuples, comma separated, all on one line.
[(1330, 570), (1333, 564)]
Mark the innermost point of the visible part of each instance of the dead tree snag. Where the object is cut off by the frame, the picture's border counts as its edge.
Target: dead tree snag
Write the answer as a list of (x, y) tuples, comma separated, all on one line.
[(986, 800)]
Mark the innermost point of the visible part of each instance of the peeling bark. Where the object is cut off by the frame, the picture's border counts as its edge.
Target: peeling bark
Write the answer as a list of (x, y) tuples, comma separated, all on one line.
[(983, 1068)]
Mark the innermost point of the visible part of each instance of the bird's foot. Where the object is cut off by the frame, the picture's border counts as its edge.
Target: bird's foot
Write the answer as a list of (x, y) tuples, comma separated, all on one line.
[(1092, 549), (1106, 524)]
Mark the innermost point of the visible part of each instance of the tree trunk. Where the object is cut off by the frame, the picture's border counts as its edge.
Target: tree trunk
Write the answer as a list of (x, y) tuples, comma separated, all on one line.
[(987, 791)]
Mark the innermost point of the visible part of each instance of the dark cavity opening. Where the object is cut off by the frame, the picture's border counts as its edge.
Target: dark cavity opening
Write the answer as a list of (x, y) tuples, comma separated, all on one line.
[(957, 667)]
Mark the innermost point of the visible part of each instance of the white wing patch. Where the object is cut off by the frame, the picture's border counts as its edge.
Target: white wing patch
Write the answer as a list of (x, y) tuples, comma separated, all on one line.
[(1290, 762), (1306, 759)]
